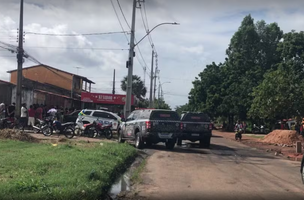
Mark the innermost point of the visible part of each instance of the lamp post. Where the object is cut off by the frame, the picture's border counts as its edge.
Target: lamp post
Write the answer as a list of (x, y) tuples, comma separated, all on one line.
[(131, 56)]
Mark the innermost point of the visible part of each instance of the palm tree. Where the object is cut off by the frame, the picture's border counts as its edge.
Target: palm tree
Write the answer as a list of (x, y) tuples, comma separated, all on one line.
[(138, 86)]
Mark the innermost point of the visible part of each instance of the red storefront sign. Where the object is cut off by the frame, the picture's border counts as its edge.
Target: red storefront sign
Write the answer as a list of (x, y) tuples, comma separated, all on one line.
[(101, 98)]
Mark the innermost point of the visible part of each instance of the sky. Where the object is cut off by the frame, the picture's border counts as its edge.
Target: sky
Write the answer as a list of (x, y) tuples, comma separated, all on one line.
[(183, 51)]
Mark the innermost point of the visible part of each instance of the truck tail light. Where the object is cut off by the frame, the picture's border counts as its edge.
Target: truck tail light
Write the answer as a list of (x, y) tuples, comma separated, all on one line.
[(148, 124), (181, 126), (210, 126)]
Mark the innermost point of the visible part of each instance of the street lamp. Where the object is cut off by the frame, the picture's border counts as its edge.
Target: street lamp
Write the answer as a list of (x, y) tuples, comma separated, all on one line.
[(131, 56)]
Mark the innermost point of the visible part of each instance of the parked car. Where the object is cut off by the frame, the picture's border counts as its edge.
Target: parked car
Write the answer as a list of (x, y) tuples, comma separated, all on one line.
[(101, 115), (150, 126), (71, 117), (196, 127)]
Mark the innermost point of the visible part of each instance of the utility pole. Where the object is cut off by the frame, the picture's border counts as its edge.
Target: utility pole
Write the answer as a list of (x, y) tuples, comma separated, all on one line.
[(113, 91), (20, 62), (127, 109), (155, 76), (151, 82), (158, 94)]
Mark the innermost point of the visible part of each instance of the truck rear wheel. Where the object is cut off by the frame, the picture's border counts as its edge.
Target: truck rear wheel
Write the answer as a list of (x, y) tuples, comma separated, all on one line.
[(170, 144), (138, 141), (205, 142)]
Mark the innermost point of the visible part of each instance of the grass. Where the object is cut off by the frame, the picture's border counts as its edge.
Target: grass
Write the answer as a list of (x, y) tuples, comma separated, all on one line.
[(136, 176), (66, 171)]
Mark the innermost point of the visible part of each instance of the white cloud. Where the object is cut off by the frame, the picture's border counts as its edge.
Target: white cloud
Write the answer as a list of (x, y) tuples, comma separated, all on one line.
[(183, 51)]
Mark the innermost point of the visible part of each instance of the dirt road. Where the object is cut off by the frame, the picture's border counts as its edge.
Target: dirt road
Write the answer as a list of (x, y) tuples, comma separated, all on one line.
[(228, 170)]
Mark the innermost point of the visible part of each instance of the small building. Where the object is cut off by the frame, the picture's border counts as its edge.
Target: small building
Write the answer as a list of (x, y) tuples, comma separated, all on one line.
[(48, 85), (6, 92)]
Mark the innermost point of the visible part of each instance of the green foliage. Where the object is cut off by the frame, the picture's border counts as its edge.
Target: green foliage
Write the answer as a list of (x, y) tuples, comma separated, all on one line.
[(161, 104), (138, 86), (260, 78), (180, 109), (42, 171)]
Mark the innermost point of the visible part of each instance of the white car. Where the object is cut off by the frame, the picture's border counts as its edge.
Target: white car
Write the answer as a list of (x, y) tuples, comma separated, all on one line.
[(92, 115)]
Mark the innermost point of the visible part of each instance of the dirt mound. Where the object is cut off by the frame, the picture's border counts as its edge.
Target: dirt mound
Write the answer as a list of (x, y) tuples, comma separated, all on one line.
[(17, 135), (287, 137)]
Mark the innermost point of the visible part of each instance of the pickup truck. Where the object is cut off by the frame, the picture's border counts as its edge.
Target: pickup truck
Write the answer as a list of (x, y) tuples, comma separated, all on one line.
[(150, 126), (196, 127)]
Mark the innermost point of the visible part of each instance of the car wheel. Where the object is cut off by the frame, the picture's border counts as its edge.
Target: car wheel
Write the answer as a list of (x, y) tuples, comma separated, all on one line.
[(120, 136), (205, 143), (138, 141), (170, 144)]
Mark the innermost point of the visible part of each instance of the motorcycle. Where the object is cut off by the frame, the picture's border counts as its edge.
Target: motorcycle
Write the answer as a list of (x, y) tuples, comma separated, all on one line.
[(104, 129), (11, 123), (85, 129), (65, 129), (260, 129), (42, 125), (238, 134)]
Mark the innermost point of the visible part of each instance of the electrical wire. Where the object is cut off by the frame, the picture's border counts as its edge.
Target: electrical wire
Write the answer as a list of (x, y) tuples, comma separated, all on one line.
[(119, 21), (92, 48), (71, 34)]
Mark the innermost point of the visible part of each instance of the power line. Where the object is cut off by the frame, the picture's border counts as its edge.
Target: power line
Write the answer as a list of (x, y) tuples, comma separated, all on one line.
[(92, 48), (123, 14), (119, 21), (71, 34)]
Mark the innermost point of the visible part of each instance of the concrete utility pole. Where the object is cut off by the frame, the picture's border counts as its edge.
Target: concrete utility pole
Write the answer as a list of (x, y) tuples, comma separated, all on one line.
[(151, 82), (20, 62), (113, 91), (155, 76), (127, 109)]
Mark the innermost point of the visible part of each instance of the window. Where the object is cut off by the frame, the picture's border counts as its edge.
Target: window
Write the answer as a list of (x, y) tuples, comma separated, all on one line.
[(103, 115), (87, 112), (145, 114), (164, 115), (136, 115)]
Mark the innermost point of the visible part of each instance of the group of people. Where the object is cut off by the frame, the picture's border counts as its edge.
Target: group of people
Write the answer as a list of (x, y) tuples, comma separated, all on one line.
[(29, 115), (240, 125)]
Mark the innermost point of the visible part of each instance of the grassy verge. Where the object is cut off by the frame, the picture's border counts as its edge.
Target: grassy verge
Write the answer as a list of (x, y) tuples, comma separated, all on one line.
[(136, 178), (77, 171)]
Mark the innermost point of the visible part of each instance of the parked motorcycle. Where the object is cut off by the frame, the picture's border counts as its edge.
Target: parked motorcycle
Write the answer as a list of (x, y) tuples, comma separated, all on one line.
[(64, 129), (104, 129), (260, 129), (88, 130), (44, 125), (238, 134), (11, 123)]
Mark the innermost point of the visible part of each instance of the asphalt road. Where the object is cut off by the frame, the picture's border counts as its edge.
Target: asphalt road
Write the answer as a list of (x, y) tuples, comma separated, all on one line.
[(228, 170)]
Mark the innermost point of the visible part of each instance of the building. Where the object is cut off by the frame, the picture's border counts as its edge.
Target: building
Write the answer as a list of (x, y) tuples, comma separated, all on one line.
[(47, 85), (6, 92), (112, 102)]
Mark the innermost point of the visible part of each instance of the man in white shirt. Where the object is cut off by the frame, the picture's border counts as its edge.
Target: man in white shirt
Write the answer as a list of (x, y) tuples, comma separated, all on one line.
[(23, 116)]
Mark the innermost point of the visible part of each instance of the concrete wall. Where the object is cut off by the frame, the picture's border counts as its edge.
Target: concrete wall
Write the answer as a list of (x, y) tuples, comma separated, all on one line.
[(27, 96), (5, 93)]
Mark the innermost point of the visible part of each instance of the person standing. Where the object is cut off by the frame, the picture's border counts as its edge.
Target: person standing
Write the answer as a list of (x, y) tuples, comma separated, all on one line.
[(31, 117), (2, 110), (23, 116), (39, 112), (11, 110)]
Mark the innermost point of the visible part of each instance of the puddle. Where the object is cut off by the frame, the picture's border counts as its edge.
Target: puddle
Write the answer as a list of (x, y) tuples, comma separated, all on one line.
[(122, 184)]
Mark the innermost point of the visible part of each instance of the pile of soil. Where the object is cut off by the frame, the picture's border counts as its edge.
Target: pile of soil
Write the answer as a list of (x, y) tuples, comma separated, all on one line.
[(287, 137), (17, 135)]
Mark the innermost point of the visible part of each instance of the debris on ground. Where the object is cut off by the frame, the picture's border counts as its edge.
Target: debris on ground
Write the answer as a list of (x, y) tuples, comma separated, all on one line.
[(14, 134), (282, 138)]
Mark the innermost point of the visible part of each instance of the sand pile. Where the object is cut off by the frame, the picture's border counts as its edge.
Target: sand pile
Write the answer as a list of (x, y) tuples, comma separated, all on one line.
[(287, 137), (16, 135)]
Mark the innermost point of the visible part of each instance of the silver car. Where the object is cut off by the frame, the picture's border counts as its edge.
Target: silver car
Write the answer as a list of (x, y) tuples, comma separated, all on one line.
[(92, 115)]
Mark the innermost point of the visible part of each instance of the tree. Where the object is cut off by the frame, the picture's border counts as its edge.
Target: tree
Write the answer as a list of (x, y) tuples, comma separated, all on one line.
[(138, 87), (180, 109), (161, 104)]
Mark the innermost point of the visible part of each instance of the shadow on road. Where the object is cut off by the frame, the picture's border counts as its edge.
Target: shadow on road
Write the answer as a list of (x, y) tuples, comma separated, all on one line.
[(217, 136), (179, 149)]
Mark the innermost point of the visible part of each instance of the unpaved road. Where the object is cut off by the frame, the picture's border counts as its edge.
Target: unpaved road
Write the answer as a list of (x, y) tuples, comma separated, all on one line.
[(228, 170)]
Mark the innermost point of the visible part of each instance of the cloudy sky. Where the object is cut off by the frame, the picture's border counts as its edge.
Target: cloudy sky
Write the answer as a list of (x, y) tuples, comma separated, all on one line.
[(202, 37)]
